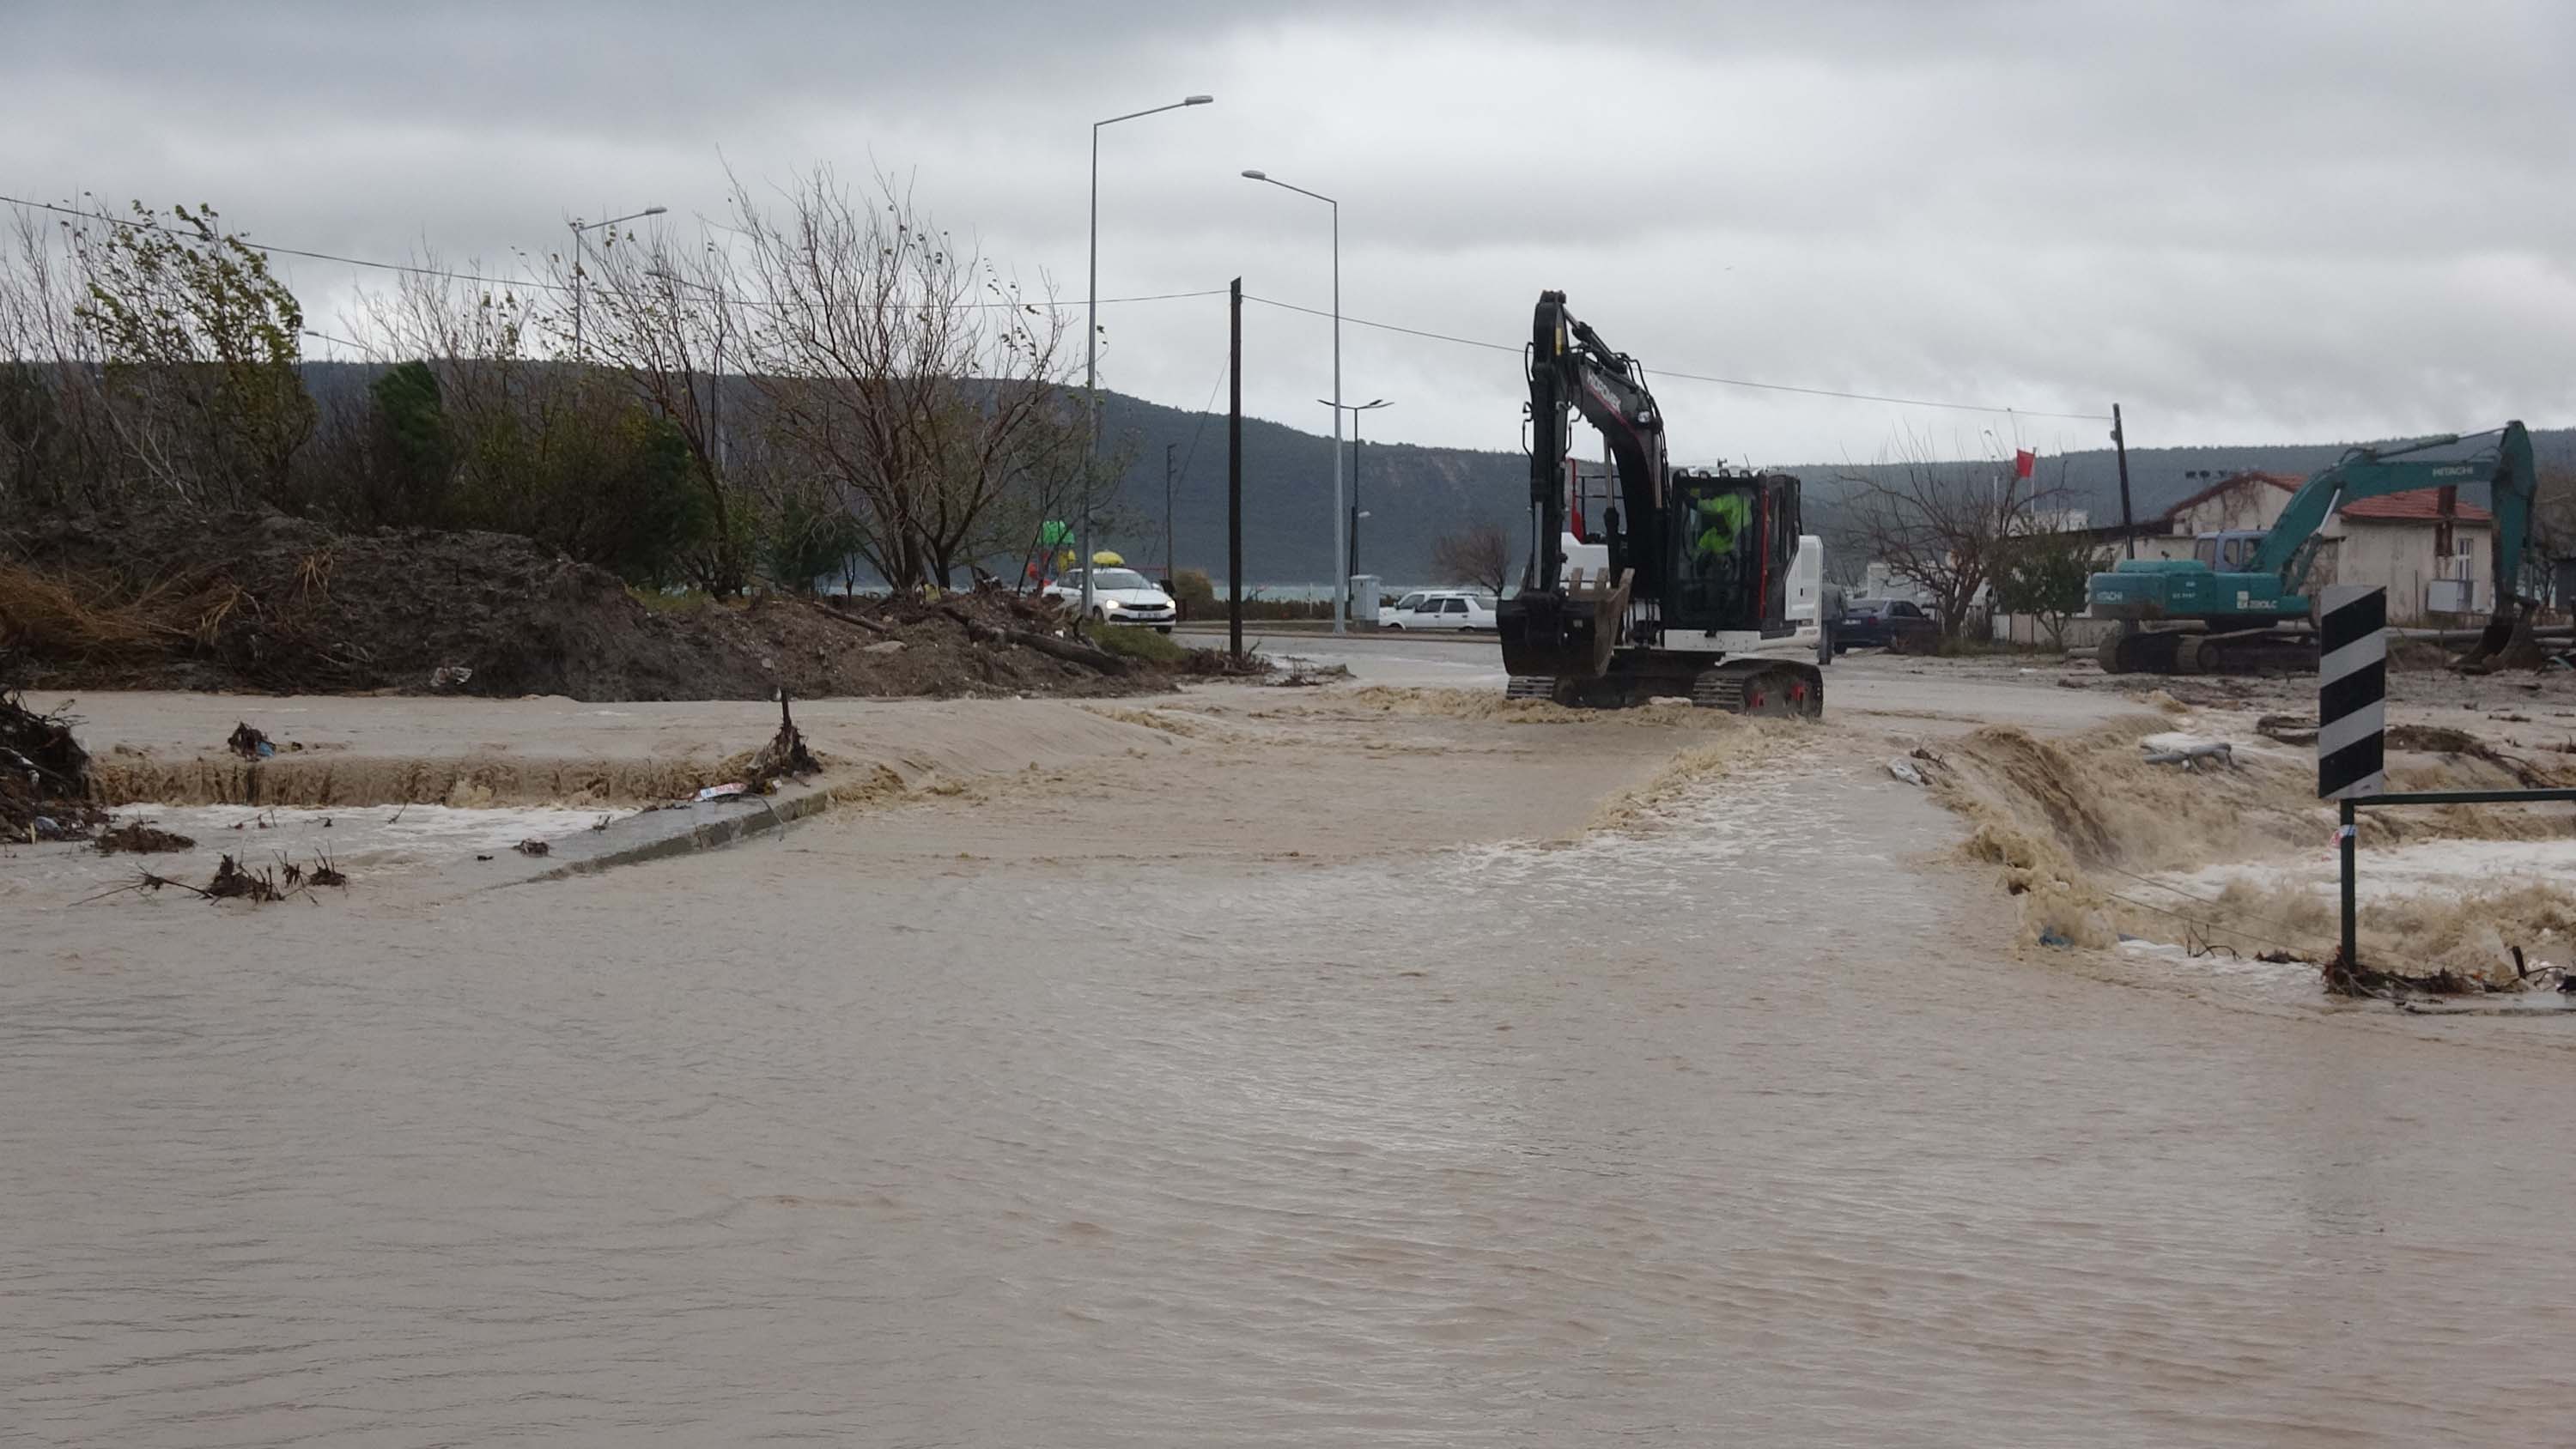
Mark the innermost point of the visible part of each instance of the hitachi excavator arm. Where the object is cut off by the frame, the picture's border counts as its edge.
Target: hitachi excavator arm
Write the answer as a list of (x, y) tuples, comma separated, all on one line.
[(2372, 472)]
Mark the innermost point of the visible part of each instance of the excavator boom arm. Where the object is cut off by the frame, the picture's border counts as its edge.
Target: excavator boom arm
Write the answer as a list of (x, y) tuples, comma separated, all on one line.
[(1571, 367), (2375, 472)]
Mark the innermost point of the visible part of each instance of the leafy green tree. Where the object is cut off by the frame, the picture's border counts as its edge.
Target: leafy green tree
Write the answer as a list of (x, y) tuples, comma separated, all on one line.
[(806, 539), (200, 346), (415, 452), (2045, 575)]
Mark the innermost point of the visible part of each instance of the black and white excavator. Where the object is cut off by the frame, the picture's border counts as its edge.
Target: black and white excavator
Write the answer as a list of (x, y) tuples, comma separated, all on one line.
[(1696, 583)]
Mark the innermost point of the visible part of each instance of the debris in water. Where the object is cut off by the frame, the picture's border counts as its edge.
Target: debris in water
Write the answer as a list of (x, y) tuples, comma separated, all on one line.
[(326, 872), (2289, 729), (2192, 755), (249, 743), (44, 775), (529, 847), (1903, 769), (139, 838), (784, 756), (718, 792), (449, 676), (1307, 674), (232, 881)]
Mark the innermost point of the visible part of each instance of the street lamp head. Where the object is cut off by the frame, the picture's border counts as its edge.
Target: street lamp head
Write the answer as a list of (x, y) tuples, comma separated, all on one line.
[(1197, 100), (1256, 175), (653, 211)]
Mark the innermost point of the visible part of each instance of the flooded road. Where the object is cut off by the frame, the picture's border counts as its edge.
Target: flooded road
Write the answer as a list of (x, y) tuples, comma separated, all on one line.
[(1745, 1129)]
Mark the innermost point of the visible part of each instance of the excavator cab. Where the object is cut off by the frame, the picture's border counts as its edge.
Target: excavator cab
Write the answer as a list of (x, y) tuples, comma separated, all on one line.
[(1733, 538)]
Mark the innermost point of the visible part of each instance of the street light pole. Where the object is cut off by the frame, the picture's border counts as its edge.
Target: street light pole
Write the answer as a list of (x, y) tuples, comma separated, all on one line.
[(1091, 337), (1351, 554), (1341, 590), (579, 293)]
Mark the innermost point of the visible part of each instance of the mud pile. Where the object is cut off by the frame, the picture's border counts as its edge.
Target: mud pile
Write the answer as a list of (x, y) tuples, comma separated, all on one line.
[(2087, 835), (169, 599)]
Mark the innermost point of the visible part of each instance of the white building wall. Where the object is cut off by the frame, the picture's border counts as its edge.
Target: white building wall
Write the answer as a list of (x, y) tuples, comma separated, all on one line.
[(2399, 557), (2252, 503)]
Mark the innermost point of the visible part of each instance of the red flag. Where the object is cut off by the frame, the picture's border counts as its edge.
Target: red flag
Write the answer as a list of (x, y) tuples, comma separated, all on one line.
[(2024, 462)]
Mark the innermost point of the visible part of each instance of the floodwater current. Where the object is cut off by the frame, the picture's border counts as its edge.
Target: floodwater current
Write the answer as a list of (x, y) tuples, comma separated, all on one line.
[(1747, 1130)]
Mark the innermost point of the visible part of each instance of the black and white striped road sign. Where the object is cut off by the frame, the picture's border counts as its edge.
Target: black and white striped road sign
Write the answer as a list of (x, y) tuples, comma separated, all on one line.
[(2352, 692)]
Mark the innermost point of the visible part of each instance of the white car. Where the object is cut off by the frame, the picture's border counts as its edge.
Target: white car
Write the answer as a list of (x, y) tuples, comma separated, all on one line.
[(1456, 609), (1118, 596)]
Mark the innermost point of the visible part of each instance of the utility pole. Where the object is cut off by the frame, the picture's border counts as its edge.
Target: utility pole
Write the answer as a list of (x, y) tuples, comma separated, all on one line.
[(2120, 440), (1353, 563), (1168, 449), (1234, 473)]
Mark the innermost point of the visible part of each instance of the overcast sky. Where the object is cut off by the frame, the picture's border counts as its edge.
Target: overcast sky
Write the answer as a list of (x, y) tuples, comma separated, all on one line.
[(2246, 222)]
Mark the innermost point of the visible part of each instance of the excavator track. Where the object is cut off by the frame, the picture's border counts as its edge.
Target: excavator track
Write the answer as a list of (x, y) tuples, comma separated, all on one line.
[(1762, 687), (2191, 651)]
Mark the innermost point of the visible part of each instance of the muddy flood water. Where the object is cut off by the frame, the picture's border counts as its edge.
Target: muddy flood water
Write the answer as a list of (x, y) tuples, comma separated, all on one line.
[(1750, 1128)]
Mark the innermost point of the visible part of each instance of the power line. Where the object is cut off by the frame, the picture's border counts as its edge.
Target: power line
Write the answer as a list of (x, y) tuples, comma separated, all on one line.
[(1204, 411), (536, 283), (1913, 402), (533, 283)]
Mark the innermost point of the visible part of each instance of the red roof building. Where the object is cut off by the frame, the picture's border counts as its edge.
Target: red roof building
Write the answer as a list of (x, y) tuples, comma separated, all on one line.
[(2419, 505)]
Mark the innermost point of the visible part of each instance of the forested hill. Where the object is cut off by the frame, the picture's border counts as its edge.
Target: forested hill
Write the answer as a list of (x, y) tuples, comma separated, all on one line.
[(1413, 495), (1416, 494)]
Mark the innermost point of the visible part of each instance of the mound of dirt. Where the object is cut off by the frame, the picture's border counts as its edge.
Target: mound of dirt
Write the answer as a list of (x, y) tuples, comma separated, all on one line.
[(169, 599)]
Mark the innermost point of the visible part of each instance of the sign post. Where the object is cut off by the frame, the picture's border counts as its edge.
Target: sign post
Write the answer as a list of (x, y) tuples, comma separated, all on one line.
[(2352, 720), (2352, 746)]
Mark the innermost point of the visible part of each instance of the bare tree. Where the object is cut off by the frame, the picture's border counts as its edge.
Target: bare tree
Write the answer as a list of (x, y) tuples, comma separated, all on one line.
[(57, 449), (910, 374), (2553, 514), (1479, 554), (1947, 528), (664, 322)]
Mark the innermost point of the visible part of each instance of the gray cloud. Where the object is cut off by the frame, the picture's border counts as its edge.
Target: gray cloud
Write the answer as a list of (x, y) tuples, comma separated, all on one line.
[(2245, 222)]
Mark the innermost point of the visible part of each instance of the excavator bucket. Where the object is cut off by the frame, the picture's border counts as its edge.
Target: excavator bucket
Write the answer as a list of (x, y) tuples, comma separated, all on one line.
[(1567, 634), (2504, 644)]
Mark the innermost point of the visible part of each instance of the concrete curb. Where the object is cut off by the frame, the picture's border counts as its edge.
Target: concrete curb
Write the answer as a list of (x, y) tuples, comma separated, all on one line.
[(674, 830)]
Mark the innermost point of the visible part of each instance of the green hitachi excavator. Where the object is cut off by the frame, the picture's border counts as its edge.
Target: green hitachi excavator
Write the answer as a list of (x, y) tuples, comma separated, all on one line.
[(2239, 613)]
